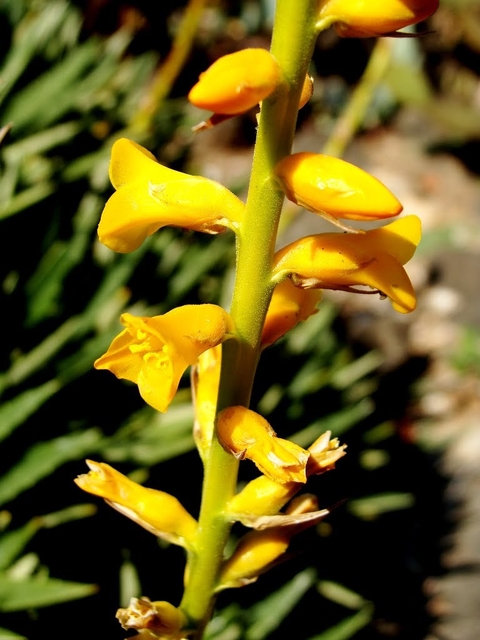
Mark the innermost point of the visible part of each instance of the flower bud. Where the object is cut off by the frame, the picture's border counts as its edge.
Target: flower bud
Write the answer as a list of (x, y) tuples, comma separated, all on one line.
[(254, 555), (236, 82), (329, 185), (360, 19)]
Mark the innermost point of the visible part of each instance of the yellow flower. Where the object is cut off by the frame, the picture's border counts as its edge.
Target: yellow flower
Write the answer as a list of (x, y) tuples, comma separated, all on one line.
[(153, 619), (155, 352), (255, 554), (236, 82), (361, 19), (205, 381), (149, 196), (289, 306), (342, 261), (246, 434), (328, 185), (157, 511), (262, 496), (258, 550)]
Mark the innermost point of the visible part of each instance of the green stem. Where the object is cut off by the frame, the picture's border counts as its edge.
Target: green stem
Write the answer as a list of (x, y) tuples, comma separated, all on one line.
[(292, 45)]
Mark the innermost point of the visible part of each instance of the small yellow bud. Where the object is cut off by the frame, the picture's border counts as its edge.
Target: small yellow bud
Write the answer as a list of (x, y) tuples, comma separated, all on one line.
[(236, 82), (160, 619), (307, 91), (360, 19), (329, 185)]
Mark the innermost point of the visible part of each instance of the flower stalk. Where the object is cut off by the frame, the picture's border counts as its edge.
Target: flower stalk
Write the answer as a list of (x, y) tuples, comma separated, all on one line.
[(292, 46)]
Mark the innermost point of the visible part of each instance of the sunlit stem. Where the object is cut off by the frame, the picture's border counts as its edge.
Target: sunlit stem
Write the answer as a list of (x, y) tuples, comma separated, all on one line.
[(292, 45)]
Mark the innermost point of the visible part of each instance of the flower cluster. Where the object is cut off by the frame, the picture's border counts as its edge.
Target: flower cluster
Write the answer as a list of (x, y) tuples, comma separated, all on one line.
[(154, 352)]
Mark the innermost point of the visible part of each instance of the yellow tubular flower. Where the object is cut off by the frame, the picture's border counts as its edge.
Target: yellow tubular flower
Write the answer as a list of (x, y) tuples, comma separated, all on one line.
[(255, 553), (370, 18), (289, 306), (342, 261), (153, 619), (157, 511), (155, 352), (246, 434), (236, 82), (329, 185), (205, 381), (149, 196), (263, 496)]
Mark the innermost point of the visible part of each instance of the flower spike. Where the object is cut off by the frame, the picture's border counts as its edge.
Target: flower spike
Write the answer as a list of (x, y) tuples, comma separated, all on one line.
[(157, 511), (236, 82), (360, 19), (246, 434), (155, 352), (328, 185), (149, 196), (343, 261)]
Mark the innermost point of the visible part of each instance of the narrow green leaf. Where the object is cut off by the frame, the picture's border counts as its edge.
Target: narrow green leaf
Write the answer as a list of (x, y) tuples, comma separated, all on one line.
[(12, 543), (5, 634), (16, 411), (18, 595), (42, 460), (348, 627), (374, 506), (48, 97), (267, 615), (26, 198)]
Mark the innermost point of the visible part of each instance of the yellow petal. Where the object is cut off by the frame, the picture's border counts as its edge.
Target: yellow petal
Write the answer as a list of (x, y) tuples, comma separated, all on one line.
[(130, 162), (205, 382), (154, 352), (340, 261), (325, 184), (246, 434), (357, 18), (236, 82), (255, 553), (150, 196), (157, 511), (289, 306)]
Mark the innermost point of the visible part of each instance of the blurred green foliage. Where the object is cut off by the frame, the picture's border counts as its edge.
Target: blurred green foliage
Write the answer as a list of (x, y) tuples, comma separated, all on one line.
[(68, 93)]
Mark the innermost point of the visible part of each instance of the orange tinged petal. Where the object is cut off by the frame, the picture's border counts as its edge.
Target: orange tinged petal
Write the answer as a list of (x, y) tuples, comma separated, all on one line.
[(289, 306), (236, 82), (368, 18), (325, 184), (340, 261)]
